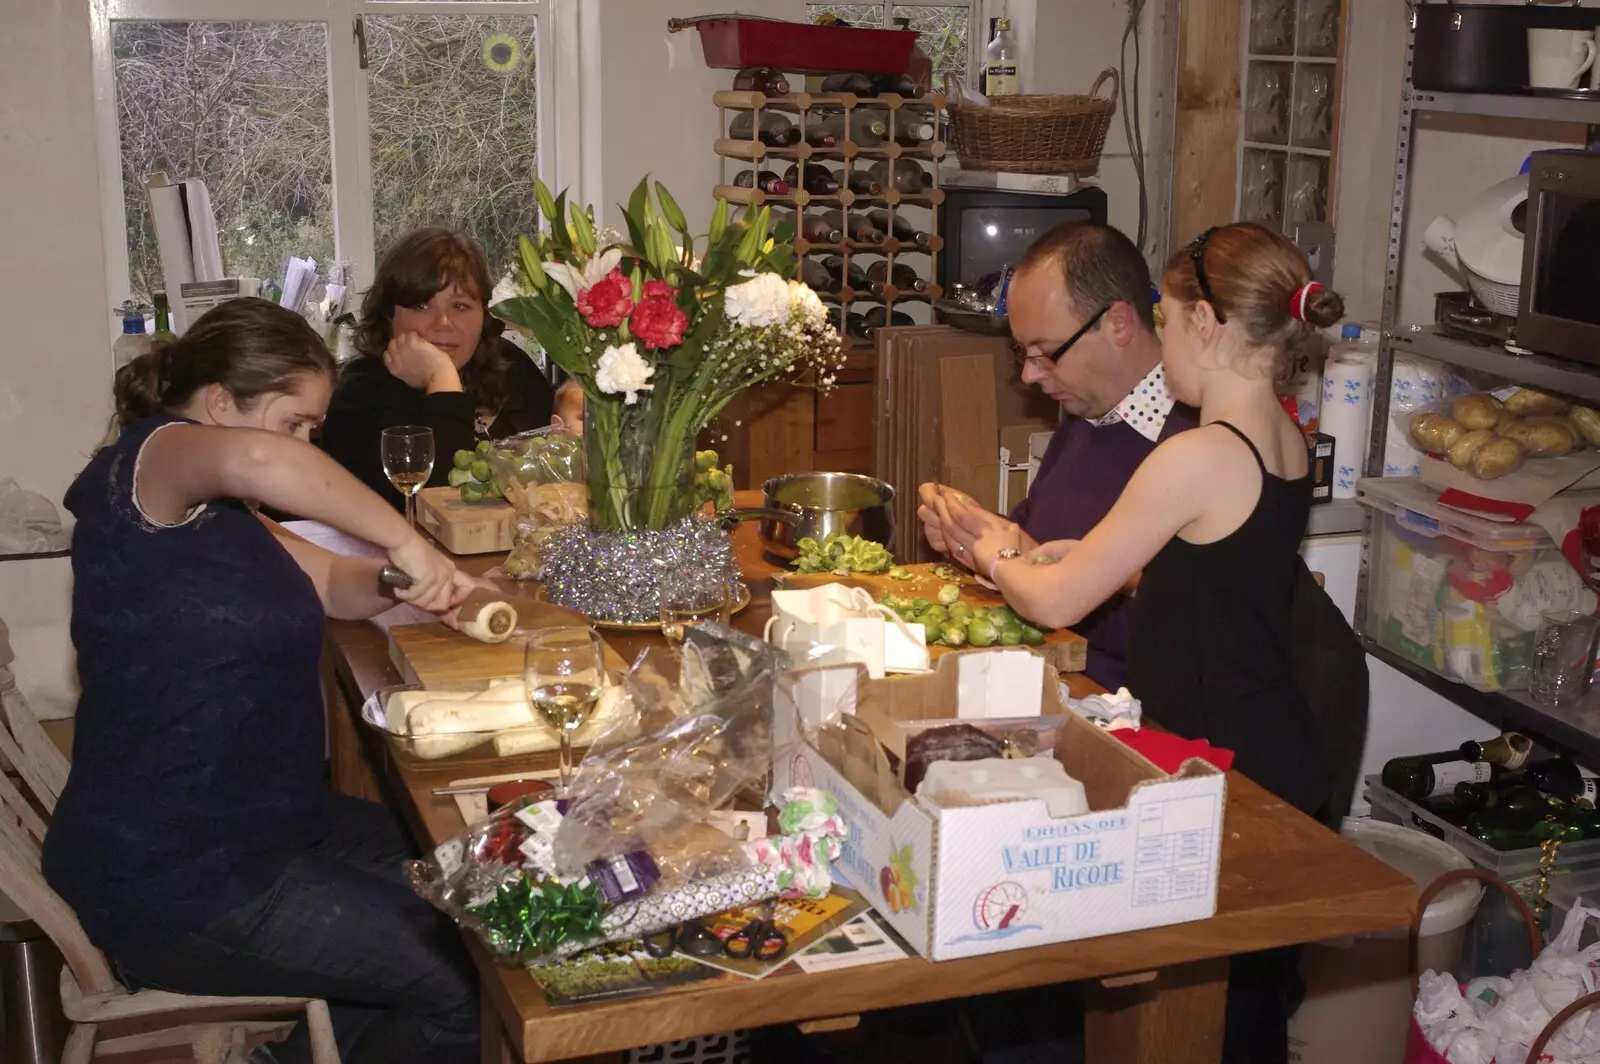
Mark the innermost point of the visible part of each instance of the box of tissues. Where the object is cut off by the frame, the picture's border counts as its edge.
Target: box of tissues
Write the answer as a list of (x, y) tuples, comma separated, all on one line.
[(851, 627)]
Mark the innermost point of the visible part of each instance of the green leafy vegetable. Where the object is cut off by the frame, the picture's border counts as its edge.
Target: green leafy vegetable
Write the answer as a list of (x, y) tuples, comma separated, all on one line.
[(842, 554)]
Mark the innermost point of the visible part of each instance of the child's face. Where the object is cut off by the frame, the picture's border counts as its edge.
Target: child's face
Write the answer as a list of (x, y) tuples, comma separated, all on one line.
[(569, 411)]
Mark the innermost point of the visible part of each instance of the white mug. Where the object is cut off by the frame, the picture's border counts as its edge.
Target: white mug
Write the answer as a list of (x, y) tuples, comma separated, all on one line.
[(1594, 70), (1557, 59)]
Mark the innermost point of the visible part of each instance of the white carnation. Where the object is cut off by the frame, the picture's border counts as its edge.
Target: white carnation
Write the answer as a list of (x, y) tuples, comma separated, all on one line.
[(761, 301), (621, 370), (805, 301)]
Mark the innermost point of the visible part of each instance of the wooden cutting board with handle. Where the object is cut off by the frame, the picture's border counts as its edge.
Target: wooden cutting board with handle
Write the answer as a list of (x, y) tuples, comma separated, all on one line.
[(436, 655), (1065, 649)]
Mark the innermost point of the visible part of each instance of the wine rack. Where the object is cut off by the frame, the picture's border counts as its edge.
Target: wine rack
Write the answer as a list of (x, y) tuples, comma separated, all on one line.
[(919, 210)]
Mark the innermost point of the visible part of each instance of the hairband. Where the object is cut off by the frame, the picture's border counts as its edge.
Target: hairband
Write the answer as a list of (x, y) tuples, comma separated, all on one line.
[(1297, 302), (1197, 255)]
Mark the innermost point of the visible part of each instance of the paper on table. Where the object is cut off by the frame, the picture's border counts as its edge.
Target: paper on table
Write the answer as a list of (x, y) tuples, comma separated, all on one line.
[(1005, 683), (331, 539)]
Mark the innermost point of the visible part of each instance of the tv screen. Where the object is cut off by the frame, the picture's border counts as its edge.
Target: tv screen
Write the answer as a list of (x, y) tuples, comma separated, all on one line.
[(985, 231)]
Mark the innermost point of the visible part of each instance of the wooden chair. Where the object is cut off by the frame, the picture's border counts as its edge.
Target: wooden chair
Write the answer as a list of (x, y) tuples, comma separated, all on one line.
[(109, 1021)]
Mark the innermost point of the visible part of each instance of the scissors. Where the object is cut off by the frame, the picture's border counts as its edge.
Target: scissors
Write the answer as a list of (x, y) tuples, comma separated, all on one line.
[(690, 938), (760, 939)]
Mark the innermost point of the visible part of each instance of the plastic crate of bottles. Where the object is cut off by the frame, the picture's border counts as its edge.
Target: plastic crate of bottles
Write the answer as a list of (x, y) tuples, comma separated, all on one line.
[(1456, 594), (1510, 865)]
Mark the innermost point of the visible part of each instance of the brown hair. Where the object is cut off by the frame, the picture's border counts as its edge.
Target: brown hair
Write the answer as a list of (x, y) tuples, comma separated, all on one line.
[(415, 269), (1253, 276), (1101, 267), (251, 347)]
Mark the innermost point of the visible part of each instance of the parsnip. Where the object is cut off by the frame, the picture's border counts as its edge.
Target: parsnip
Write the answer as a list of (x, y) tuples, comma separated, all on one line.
[(467, 715), (489, 622)]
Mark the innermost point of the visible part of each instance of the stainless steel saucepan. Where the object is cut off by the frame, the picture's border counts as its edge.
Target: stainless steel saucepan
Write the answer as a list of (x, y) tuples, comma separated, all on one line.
[(817, 505)]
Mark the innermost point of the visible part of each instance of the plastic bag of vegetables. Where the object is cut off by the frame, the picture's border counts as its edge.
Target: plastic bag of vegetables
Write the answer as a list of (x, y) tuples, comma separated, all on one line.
[(541, 474)]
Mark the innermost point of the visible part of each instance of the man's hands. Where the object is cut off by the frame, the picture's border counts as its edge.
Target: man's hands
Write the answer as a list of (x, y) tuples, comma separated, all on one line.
[(937, 505)]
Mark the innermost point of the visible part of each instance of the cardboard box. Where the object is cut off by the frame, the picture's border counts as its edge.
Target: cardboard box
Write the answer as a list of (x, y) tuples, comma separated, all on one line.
[(959, 882)]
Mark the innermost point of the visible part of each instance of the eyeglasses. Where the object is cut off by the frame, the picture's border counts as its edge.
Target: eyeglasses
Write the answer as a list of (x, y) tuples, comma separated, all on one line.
[(1053, 357), (1197, 255)]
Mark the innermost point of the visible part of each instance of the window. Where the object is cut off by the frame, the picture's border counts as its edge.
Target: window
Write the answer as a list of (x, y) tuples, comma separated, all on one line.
[(1291, 65), (944, 28), (322, 128)]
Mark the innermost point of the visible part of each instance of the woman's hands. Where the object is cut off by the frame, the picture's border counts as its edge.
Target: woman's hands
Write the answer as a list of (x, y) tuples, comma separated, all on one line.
[(436, 585), (975, 535), (421, 365), (936, 509)]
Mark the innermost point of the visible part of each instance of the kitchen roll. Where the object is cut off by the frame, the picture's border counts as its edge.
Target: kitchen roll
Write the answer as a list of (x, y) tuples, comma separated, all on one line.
[(1417, 383), (1347, 416)]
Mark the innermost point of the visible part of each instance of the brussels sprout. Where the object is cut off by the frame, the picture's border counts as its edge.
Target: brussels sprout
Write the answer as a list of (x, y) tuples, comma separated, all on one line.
[(981, 633), (705, 461), (464, 459), (470, 494), (953, 635), (458, 477), (1031, 636), (480, 471), (934, 616), (949, 594), (719, 481), (1000, 615), (484, 446), (1010, 635)]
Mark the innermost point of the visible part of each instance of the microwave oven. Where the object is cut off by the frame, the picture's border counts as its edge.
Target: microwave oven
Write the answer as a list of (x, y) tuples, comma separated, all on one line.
[(1558, 308)]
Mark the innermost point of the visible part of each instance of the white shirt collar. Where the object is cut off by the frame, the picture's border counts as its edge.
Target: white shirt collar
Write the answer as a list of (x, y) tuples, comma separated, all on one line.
[(1146, 407)]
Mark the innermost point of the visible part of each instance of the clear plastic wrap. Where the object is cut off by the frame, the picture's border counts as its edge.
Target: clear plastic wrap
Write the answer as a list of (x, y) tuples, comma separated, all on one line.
[(541, 474)]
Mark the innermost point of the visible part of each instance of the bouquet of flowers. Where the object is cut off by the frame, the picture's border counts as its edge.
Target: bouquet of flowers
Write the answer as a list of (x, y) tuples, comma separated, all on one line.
[(661, 333)]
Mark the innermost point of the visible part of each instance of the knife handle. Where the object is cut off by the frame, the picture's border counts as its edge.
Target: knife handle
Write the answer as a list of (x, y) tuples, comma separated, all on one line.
[(392, 577)]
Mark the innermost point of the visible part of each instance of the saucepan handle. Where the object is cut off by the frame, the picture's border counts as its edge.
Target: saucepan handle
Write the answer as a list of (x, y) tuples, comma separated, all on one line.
[(725, 518)]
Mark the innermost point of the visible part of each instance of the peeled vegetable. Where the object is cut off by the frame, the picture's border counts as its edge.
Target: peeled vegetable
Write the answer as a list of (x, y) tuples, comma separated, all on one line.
[(1477, 411), (1496, 458), (1543, 437), (487, 621), (1528, 402), (456, 715), (842, 554), (1462, 450), (1435, 432)]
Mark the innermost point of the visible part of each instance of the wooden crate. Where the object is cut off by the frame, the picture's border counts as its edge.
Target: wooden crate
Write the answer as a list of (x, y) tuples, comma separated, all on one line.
[(465, 528)]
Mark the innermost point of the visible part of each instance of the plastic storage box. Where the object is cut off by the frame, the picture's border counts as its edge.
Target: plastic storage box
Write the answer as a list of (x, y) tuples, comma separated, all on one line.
[(1509, 865), (802, 48), (1457, 594)]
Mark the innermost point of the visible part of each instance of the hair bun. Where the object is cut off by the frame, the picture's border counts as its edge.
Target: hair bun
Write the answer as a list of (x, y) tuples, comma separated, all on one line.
[(1323, 307)]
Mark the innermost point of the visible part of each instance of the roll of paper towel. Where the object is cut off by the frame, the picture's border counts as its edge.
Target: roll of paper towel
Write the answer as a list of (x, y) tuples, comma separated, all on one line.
[(1417, 383), (1347, 415)]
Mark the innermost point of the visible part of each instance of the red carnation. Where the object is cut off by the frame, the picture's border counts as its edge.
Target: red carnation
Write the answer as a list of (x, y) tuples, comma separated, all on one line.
[(659, 290), (658, 321), (606, 303)]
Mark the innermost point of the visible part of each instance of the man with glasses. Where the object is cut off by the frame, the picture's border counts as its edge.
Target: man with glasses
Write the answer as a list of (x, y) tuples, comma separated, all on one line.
[(1084, 333)]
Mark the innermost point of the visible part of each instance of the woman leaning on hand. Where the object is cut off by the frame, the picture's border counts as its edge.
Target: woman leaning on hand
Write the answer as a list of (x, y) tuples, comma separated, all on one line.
[(432, 355), (1213, 518), (197, 838)]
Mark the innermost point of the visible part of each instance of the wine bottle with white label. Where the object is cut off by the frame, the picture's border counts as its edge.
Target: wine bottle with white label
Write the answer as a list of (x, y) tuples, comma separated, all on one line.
[(1510, 750), (1564, 780), (1430, 777)]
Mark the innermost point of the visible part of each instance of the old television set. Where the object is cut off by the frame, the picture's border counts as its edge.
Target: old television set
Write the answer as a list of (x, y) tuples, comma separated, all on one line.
[(987, 229), (1559, 303)]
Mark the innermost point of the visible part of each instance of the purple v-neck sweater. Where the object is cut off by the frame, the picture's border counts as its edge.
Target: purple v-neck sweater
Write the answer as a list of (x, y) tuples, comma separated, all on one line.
[(1081, 474)]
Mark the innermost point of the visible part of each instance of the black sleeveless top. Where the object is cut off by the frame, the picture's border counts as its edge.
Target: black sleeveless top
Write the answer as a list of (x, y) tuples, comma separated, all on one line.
[(1209, 657)]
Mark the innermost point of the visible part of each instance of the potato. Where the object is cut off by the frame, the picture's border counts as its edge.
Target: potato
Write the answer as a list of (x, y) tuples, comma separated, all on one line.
[(1531, 402), (1586, 421), (1543, 437), (1462, 450), (1477, 411), (1435, 432), (1496, 458)]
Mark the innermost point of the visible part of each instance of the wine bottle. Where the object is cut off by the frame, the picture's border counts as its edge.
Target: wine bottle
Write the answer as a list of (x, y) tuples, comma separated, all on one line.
[(1563, 780), (864, 127), (852, 275), (854, 226), (1426, 777), (163, 313), (897, 84), (766, 181), (862, 184), (856, 325), (901, 229), (878, 317), (902, 175), (903, 277), (1510, 750), (912, 129), (869, 127), (1511, 794), (817, 180), (858, 84), (764, 80), (772, 128), (815, 228), (818, 278)]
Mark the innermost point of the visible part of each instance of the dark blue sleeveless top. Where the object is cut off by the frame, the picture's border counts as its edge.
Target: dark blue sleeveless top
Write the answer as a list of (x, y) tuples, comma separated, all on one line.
[(198, 756)]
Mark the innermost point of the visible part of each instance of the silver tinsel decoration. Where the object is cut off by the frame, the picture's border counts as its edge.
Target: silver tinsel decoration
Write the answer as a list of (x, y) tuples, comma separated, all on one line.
[(616, 576)]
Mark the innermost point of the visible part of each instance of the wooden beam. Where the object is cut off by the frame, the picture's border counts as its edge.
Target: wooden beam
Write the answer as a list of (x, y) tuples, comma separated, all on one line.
[(1206, 126)]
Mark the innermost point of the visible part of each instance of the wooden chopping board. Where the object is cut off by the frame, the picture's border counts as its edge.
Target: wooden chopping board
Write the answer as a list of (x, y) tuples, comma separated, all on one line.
[(1065, 649), (435, 655), (466, 528)]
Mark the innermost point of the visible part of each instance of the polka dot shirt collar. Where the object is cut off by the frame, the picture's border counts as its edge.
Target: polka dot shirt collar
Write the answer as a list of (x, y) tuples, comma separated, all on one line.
[(1146, 407)]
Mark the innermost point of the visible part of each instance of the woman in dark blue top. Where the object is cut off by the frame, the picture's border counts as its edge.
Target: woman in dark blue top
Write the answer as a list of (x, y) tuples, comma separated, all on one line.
[(197, 838)]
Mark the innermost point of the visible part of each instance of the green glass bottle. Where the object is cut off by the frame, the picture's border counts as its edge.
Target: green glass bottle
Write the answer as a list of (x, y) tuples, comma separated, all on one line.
[(163, 313), (1431, 777), (1564, 780), (1509, 750)]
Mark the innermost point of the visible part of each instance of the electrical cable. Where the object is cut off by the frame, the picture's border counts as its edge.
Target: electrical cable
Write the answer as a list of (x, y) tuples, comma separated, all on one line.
[(1131, 125)]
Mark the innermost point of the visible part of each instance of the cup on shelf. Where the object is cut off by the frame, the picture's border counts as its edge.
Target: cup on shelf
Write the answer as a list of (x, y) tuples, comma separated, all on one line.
[(1563, 656), (1594, 69), (1558, 59)]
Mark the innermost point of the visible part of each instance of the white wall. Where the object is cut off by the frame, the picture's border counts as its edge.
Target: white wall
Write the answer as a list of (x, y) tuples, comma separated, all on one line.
[(54, 373)]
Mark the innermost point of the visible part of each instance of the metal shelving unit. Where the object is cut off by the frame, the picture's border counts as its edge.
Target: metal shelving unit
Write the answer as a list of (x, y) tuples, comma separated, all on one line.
[(1576, 728)]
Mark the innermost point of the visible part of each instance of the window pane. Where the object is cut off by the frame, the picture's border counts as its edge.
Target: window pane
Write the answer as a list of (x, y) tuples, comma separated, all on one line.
[(454, 128), (855, 14), (243, 106), (944, 36)]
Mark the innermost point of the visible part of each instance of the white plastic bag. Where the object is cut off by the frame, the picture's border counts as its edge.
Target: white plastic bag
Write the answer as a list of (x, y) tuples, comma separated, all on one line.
[(29, 522)]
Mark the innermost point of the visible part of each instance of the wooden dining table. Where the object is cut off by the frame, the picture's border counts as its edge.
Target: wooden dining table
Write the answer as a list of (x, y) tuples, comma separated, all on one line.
[(1155, 996)]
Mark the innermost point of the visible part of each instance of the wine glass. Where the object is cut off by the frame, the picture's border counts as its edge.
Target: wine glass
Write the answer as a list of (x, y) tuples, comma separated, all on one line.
[(690, 599), (408, 462), (563, 671)]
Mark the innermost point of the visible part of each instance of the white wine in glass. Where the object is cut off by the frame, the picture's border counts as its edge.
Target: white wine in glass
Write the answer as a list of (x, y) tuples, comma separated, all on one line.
[(408, 462), (562, 672)]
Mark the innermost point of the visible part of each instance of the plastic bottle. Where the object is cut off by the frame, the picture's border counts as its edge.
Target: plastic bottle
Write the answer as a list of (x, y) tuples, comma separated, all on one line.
[(134, 341)]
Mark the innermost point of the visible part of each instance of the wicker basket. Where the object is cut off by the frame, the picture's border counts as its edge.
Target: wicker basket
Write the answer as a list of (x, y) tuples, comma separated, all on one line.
[(1036, 134)]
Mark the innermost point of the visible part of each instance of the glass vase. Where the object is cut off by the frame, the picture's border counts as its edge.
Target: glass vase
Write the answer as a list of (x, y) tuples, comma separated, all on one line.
[(640, 470)]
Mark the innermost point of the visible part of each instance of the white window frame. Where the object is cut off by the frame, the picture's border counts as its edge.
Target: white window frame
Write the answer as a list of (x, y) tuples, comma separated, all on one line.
[(560, 153)]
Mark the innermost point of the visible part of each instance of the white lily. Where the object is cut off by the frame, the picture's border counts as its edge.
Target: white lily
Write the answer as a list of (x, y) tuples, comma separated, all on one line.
[(595, 270)]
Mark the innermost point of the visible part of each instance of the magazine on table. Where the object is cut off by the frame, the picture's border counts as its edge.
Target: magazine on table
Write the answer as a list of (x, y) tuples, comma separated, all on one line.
[(868, 939), (802, 921)]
